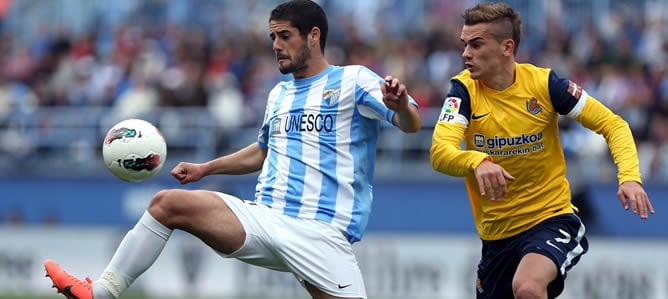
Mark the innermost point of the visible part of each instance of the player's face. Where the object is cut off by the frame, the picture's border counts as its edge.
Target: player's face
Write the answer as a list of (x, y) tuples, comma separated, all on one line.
[(483, 54), (292, 51)]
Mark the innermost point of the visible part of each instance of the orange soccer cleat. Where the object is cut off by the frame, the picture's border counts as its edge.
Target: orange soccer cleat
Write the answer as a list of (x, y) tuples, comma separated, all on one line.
[(68, 285)]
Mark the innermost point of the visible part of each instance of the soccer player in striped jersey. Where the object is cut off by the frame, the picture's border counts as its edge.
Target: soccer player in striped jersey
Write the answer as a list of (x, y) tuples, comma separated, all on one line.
[(316, 151), (506, 113)]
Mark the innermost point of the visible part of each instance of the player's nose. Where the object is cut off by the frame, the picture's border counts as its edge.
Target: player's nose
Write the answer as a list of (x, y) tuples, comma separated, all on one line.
[(467, 54), (275, 45)]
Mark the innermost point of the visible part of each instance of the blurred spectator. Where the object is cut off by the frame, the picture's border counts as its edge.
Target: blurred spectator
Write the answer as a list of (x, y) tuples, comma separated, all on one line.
[(4, 8)]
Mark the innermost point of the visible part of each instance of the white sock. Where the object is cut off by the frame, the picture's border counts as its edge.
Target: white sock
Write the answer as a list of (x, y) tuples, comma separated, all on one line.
[(137, 252)]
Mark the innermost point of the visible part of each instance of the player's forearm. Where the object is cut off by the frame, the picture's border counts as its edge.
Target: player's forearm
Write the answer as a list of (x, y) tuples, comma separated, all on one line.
[(446, 155), (409, 120), (622, 148), (244, 161), (617, 134), (453, 161)]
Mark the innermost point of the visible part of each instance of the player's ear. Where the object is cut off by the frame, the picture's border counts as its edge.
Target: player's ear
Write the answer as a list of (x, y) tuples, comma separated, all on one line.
[(509, 47), (314, 36)]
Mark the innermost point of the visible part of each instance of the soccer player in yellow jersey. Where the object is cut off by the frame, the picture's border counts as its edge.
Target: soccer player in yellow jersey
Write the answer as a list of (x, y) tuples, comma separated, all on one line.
[(513, 163)]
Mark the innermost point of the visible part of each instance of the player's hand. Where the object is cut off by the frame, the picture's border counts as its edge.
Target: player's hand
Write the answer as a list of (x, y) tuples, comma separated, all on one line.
[(492, 180), (188, 172), (395, 95), (631, 194)]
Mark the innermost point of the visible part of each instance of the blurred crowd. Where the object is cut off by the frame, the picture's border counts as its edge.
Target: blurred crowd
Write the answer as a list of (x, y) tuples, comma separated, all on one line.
[(134, 57)]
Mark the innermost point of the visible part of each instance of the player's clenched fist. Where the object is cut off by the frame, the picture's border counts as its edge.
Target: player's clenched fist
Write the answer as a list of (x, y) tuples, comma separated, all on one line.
[(395, 95), (188, 172)]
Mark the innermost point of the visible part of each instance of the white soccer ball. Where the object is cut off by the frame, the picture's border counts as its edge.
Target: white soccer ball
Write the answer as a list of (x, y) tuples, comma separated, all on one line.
[(134, 150)]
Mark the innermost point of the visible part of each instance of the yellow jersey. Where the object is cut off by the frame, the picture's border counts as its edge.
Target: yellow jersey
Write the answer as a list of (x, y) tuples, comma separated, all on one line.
[(517, 129)]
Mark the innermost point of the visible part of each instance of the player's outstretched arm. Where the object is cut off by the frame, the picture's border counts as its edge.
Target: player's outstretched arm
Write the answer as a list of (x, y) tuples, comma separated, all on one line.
[(619, 137), (395, 97), (632, 194), (243, 161)]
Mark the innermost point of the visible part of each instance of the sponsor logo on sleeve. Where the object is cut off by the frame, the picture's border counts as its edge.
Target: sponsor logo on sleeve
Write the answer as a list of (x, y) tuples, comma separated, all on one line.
[(450, 109), (452, 104)]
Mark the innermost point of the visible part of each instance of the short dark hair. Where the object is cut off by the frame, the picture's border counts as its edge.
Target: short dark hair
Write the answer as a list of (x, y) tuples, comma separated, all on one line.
[(508, 21), (304, 15)]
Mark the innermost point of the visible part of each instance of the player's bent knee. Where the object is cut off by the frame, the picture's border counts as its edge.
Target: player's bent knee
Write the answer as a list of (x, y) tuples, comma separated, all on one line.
[(167, 205), (528, 289)]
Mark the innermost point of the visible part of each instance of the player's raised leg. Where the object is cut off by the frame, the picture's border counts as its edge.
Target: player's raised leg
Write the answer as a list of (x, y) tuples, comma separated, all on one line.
[(201, 213), (533, 275)]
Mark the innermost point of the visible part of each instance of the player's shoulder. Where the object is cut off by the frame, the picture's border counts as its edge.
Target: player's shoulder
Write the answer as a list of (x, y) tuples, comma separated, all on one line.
[(356, 69), (463, 76), (360, 73), (282, 85), (532, 76), (527, 70), (352, 66), (463, 82), (279, 87)]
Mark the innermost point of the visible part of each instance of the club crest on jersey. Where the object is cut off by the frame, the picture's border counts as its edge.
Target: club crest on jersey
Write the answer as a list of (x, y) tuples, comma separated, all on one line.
[(331, 96), (532, 106), (574, 89)]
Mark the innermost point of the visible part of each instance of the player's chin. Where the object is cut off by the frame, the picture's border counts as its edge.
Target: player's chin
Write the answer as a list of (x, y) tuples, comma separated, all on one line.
[(475, 75), (285, 69)]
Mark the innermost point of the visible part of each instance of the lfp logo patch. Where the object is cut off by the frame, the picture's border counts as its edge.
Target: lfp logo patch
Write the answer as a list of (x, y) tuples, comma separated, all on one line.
[(450, 109), (451, 105)]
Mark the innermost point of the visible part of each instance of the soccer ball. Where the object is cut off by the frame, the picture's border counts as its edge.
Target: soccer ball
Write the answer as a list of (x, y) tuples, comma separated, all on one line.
[(134, 150)]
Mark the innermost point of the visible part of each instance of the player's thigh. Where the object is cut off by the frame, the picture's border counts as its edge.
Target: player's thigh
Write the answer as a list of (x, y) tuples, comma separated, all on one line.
[(550, 250), (497, 266), (263, 229), (321, 258), (201, 213), (535, 270)]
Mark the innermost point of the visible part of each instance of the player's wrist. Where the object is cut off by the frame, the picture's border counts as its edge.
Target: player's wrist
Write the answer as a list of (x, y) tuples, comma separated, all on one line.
[(483, 160), (206, 168)]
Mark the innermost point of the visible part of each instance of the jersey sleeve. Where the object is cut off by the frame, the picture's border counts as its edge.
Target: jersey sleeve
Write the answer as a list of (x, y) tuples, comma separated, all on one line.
[(369, 97), (457, 105), (572, 100), (265, 127), (446, 155), (568, 98)]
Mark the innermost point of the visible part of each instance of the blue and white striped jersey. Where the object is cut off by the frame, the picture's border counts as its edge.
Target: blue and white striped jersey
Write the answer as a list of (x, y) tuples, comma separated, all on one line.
[(321, 134)]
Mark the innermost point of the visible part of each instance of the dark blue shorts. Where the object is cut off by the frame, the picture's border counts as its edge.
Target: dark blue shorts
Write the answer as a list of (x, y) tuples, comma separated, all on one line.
[(560, 238)]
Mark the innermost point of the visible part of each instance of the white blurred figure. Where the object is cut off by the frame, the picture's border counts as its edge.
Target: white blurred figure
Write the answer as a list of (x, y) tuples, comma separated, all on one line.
[(142, 96), (15, 100), (138, 99), (226, 102)]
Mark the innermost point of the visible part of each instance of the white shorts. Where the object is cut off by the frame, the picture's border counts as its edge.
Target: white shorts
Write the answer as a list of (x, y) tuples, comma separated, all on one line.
[(313, 250)]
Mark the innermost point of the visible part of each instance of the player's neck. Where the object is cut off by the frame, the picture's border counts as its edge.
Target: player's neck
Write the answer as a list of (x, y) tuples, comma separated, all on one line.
[(316, 66), (503, 78)]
